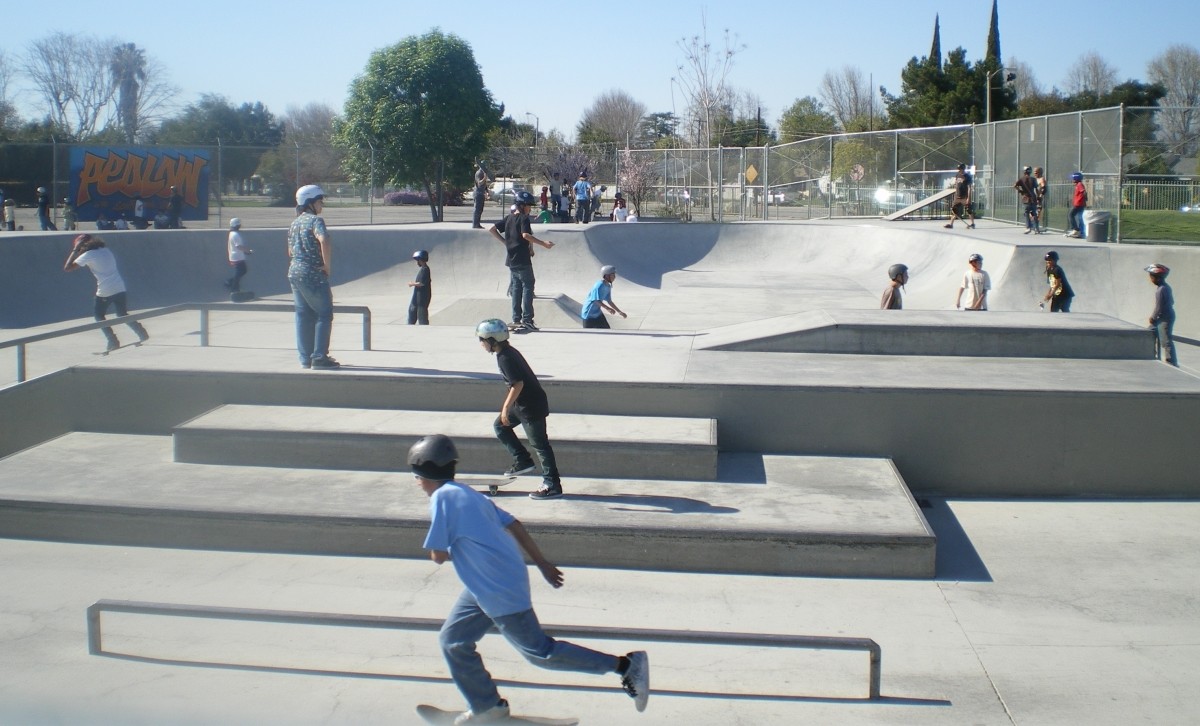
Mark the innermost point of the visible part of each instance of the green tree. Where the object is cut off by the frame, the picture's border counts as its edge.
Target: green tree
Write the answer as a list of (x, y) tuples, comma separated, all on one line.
[(128, 68), (421, 104), (656, 127), (804, 119), (249, 130)]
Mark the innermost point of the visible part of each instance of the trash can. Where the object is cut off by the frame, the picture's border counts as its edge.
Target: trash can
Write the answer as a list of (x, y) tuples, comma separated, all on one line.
[(1096, 224)]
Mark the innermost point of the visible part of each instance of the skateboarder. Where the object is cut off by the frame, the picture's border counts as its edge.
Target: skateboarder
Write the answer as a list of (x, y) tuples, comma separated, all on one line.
[(237, 255), (91, 253), (516, 234), (1162, 320), (892, 297), (422, 291), (525, 405), (1060, 293), (481, 540), (977, 282), (600, 299)]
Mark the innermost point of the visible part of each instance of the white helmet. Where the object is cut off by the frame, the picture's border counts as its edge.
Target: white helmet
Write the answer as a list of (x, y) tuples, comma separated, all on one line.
[(41, 190), (235, 223), (492, 329), (308, 193), (607, 270)]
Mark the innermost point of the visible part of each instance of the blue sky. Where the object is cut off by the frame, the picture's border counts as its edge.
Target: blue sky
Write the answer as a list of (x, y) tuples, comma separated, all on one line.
[(548, 62)]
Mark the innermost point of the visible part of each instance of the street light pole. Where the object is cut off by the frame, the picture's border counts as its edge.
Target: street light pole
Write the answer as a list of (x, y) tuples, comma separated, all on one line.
[(1008, 79), (537, 124)]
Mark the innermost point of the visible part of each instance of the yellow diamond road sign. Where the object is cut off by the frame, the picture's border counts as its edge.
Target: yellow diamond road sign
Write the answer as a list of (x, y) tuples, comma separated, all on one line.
[(751, 174)]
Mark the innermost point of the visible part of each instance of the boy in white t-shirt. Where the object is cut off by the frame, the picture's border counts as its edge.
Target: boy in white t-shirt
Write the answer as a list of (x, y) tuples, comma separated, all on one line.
[(91, 253), (237, 249), (977, 283)]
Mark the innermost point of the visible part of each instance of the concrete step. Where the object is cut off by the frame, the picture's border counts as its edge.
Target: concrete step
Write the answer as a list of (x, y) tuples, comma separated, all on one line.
[(642, 447), (778, 515)]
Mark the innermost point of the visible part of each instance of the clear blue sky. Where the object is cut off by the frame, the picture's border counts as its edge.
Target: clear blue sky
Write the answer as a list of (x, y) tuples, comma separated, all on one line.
[(545, 61)]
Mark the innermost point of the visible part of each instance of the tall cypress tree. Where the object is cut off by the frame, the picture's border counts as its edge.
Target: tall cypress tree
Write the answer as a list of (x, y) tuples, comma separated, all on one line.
[(992, 58), (935, 51)]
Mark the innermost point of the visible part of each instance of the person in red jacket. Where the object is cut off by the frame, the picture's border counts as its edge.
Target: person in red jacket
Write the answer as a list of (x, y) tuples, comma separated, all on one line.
[(1078, 204)]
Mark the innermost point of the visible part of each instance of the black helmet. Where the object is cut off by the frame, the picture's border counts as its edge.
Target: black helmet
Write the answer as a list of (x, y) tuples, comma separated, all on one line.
[(523, 197), (1028, 170), (433, 457), (897, 270), (1051, 255)]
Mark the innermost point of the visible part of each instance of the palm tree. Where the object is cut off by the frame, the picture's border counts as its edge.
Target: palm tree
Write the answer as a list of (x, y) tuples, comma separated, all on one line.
[(128, 68)]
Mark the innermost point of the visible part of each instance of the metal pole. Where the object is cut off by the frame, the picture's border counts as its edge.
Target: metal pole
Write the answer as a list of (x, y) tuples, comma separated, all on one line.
[(220, 185), (203, 328), (766, 162), (21, 363), (371, 188), (53, 178)]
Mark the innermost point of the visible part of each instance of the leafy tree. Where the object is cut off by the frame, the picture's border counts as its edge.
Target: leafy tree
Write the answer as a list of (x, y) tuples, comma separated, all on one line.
[(656, 127), (249, 130), (806, 118), (421, 104), (955, 93), (140, 88)]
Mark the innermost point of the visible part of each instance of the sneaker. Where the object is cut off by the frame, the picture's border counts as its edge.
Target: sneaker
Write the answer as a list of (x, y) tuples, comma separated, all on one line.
[(1028, 231), (520, 468), (112, 345), (970, 226), (547, 491), (948, 226), (636, 680), (143, 337), (496, 714), (529, 325), (325, 362)]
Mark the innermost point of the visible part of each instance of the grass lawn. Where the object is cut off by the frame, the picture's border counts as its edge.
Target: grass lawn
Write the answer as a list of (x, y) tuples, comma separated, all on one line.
[(1160, 226)]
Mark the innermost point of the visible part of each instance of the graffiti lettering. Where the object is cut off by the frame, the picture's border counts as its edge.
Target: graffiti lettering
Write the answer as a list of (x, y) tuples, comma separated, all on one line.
[(147, 175)]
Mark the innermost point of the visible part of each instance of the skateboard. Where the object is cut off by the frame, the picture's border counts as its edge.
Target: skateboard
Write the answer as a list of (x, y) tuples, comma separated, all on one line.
[(238, 297), (124, 345), (440, 717), (518, 328), (493, 484)]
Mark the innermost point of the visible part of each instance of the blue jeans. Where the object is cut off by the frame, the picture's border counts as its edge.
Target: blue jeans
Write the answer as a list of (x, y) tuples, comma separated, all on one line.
[(314, 318), (535, 431), (477, 215), (1164, 346), (520, 287), (1075, 219), (467, 624)]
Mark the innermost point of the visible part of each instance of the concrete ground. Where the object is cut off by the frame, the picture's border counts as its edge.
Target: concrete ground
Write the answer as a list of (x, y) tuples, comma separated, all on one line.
[(1041, 611)]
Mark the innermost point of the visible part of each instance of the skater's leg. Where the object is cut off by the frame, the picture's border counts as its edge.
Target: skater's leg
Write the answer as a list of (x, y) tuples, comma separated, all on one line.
[(99, 312), (517, 450), (464, 626), (525, 634), (119, 302), (535, 432)]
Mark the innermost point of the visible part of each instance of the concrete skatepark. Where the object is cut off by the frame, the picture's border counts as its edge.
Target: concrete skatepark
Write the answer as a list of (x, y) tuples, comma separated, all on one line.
[(1046, 576)]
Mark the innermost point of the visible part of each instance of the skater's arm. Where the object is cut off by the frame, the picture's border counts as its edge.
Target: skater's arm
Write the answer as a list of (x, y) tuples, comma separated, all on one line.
[(514, 391), (530, 238), (552, 574), (326, 253), (69, 265), (612, 308), (439, 556)]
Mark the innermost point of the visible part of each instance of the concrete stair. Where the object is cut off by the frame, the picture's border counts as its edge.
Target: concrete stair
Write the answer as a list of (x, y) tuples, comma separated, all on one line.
[(317, 437)]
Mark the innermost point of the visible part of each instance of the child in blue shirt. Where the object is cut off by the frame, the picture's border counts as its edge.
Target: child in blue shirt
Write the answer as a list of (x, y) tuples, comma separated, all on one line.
[(481, 540), (600, 300)]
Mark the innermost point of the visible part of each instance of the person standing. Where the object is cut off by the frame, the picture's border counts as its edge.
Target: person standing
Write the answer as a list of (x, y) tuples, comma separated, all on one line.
[(3, 216), (1043, 192), (43, 210), (600, 300), (893, 298), (484, 544), (963, 206), (91, 253), (525, 405), (175, 210), (237, 251), (977, 283), (1060, 293), (1027, 188), (555, 193), (70, 218), (480, 194), (1162, 320), (422, 291), (139, 212), (516, 234), (583, 199), (310, 250), (1079, 200)]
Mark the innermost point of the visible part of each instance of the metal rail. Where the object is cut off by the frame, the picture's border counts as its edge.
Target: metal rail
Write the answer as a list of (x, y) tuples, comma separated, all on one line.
[(813, 642), (203, 308)]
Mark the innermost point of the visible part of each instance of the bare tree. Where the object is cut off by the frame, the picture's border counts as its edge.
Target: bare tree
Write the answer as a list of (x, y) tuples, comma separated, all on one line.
[(1091, 74), (310, 130), (702, 77), (8, 110), (613, 118), (637, 174), (1177, 70), (848, 95), (1025, 85), (72, 75)]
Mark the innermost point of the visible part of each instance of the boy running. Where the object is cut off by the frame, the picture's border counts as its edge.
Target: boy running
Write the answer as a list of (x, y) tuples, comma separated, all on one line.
[(600, 300)]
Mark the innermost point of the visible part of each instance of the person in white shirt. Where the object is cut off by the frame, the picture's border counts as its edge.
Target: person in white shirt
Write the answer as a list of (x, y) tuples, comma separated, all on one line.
[(237, 255), (977, 283), (91, 253)]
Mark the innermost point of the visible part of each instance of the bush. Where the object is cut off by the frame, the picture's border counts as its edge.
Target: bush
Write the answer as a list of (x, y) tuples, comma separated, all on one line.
[(405, 197)]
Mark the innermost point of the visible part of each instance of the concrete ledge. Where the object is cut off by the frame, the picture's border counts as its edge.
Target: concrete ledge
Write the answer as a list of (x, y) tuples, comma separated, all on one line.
[(938, 333), (642, 447)]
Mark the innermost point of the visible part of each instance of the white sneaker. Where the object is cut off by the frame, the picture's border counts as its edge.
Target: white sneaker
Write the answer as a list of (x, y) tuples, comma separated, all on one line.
[(496, 714), (636, 680)]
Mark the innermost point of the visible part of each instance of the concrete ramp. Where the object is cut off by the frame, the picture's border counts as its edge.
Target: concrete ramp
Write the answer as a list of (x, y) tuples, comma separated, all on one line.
[(945, 193)]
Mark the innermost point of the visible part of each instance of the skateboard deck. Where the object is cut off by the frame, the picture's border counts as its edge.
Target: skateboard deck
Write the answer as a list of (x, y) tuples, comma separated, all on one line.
[(493, 484), (440, 717), (238, 297), (518, 329), (124, 345)]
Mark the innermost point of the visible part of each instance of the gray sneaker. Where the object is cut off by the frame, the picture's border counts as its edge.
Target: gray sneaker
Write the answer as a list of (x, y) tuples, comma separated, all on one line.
[(496, 714), (636, 680), (519, 469)]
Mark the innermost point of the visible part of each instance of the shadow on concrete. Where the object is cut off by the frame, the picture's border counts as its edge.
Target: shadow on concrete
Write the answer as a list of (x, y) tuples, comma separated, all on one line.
[(882, 701), (647, 503), (957, 559)]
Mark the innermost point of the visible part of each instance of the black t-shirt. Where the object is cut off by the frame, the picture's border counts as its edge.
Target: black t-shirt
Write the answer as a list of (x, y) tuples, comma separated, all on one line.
[(532, 402), (964, 186), (1057, 273), (513, 227), (424, 293)]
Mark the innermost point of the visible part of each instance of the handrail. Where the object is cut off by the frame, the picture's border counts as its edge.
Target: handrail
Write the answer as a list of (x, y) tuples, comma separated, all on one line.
[(814, 642), (203, 308)]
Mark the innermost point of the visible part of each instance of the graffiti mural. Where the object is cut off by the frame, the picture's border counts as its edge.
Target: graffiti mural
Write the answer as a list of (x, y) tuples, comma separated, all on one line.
[(106, 180)]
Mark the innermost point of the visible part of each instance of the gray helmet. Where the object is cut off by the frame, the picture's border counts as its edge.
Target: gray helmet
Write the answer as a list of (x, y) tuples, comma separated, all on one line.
[(421, 255), (607, 270), (1028, 170), (897, 270), (976, 257), (433, 457), (492, 329), (523, 197)]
